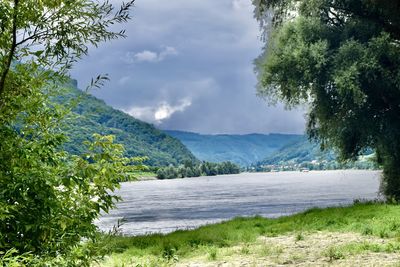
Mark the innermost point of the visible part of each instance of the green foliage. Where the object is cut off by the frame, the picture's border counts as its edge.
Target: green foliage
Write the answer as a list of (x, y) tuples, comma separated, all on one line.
[(49, 199), (343, 58), (92, 115), (11, 258), (196, 170), (240, 149)]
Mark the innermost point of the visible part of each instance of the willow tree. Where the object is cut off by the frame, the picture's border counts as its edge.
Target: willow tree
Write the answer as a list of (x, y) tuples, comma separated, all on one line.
[(342, 57), (48, 198)]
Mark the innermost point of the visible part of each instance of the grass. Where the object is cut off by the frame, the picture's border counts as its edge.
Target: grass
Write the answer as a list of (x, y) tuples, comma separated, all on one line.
[(368, 219), (334, 253), (212, 253), (299, 237), (354, 248)]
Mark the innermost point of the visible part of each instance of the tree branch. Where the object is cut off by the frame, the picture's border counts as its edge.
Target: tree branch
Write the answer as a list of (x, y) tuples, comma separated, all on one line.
[(12, 49)]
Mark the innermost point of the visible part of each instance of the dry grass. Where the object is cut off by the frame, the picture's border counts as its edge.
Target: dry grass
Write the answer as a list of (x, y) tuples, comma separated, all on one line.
[(315, 249)]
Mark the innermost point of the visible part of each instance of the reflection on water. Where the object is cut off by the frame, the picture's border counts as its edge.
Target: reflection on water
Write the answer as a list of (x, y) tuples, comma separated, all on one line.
[(164, 206)]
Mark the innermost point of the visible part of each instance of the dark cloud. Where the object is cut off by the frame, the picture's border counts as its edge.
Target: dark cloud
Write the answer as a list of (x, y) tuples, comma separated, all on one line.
[(187, 65)]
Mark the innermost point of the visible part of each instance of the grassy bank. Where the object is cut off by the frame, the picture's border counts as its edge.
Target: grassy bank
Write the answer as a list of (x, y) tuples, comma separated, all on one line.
[(327, 235)]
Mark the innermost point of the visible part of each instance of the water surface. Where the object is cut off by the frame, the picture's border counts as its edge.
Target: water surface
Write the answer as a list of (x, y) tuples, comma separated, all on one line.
[(167, 205)]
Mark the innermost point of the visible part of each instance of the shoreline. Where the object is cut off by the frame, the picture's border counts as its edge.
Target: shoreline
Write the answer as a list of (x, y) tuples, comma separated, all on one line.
[(357, 235), (154, 178)]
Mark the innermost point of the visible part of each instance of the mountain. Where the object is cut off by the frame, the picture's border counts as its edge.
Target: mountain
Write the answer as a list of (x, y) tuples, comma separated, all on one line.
[(93, 115), (241, 149), (299, 151)]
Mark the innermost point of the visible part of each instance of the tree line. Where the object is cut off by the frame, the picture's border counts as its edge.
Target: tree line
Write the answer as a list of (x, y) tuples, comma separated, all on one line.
[(195, 170)]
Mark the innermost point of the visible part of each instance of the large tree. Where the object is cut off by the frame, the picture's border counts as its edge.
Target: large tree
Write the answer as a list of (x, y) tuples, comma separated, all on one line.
[(342, 57)]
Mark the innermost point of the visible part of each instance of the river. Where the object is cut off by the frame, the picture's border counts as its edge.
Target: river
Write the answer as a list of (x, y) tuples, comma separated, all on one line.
[(167, 205)]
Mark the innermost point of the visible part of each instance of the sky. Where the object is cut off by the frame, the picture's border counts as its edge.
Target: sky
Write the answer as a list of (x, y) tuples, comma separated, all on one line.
[(188, 65)]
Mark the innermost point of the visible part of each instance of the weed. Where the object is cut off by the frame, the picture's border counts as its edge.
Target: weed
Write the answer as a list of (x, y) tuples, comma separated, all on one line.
[(265, 251), (367, 230), (245, 250), (334, 253), (383, 233), (299, 237), (270, 250), (212, 253), (169, 254)]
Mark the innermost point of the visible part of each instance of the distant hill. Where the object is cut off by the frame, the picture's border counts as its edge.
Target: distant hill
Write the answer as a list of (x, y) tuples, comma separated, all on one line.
[(303, 153), (139, 138), (299, 151), (241, 149)]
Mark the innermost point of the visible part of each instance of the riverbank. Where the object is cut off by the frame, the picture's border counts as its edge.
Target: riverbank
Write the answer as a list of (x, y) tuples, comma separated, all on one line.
[(359, 235), (146, 176)]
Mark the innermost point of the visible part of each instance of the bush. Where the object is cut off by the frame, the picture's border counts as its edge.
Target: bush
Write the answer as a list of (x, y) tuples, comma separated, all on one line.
[(48, 198)]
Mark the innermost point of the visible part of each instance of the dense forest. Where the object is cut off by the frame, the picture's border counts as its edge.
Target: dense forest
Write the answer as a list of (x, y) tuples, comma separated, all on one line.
[(92, 115), (196, 170)]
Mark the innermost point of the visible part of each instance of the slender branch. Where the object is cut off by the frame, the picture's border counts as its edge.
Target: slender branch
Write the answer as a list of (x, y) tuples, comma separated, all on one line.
[(336, 16), (12, 50), (36, 35)]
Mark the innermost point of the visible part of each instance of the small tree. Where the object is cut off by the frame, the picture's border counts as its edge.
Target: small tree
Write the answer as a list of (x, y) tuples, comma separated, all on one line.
[(343, 58)]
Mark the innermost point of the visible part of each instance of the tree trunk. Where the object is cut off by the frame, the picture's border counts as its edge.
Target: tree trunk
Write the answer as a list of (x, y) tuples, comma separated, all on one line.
[(390, 183)]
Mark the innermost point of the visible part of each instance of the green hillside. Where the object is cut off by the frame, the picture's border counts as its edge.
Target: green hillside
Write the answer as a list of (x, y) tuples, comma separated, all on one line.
[(241, 149), (139, 138), (303, 153), (301, 150)]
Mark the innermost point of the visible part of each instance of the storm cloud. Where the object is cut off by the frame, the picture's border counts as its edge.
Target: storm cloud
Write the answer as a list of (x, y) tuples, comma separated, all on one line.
[(188, 65)]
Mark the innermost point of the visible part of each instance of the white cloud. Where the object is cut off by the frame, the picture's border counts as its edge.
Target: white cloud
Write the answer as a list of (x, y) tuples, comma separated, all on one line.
[(146, 55), (150, 56), (168, 51), (165, 110), (160, 112), (142, 113)]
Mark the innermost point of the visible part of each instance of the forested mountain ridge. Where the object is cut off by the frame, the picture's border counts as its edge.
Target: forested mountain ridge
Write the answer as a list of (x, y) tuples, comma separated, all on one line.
[(241, 149), (299, 151), (92, 115), (304, 153)]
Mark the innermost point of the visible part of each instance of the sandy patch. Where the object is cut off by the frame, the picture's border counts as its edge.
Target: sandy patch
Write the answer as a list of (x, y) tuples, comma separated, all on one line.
[(315, 249)]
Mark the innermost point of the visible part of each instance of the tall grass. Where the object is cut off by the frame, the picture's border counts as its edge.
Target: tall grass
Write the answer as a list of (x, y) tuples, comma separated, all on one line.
[(378, 219)]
